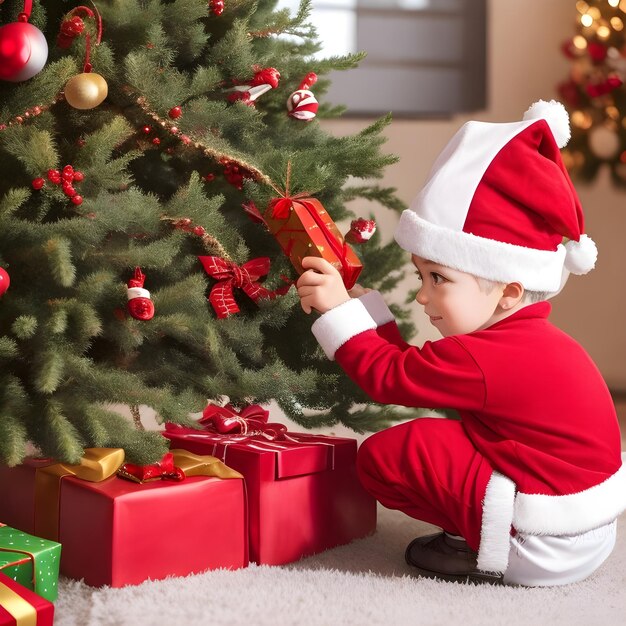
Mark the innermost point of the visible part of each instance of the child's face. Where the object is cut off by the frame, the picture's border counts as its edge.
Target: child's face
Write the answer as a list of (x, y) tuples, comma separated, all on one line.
[(454, 300)]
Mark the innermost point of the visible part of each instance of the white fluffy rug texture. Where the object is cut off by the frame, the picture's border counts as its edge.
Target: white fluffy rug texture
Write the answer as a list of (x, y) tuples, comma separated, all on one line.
[(363, 583)]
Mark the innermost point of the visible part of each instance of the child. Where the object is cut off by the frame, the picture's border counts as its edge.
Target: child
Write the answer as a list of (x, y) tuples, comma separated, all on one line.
[(528, 485)]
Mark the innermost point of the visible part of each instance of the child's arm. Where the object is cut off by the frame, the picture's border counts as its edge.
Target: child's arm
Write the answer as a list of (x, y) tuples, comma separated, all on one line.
[(321, 288), (441, 374)]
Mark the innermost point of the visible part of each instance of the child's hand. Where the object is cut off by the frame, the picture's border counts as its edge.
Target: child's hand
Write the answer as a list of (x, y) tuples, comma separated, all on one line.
[(320, 287), (357, 291)]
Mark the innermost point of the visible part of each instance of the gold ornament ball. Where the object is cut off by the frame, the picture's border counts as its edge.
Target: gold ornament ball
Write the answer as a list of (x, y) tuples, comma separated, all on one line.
[(86, 91)]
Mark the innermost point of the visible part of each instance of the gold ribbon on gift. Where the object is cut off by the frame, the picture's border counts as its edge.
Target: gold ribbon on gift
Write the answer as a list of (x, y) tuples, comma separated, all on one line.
[(96, 465), (20, 610), (196, 465)]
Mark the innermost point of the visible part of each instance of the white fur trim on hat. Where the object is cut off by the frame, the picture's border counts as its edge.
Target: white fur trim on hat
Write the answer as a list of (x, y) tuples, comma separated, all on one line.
[(338, 325), (575, 513), (557, 117), (495, 531), (581, 255), (536, 270)]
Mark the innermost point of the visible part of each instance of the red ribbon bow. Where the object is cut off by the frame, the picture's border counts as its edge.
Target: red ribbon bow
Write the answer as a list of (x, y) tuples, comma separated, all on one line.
[(251, 421), (164, 470), (280, 206), (231, 275)]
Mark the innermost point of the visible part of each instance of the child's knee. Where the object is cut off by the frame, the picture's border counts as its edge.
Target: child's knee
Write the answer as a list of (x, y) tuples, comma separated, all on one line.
[(366, 459)]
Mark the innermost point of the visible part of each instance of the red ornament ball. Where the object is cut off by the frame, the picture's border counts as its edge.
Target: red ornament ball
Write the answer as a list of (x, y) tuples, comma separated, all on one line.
[(156, 141), (146, 129), (5, 281), (23, 51), (38, 183), (78, 177), (77, 199), (141, 309), (175, 112)]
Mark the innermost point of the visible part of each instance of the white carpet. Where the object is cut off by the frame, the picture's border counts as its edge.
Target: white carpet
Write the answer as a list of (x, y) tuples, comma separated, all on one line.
[(364, 583)]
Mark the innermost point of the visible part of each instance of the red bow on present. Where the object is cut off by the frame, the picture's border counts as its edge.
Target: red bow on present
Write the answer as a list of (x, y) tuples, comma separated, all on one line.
[(280, 206), (251, 421), (231, 275), (163, 470)]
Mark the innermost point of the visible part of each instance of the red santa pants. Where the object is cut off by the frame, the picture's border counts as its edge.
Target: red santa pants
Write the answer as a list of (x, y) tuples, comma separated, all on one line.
[(429, 469)]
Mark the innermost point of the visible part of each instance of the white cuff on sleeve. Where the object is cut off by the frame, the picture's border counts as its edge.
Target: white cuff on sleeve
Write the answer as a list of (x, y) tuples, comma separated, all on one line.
[(338, 325), (377, 308)]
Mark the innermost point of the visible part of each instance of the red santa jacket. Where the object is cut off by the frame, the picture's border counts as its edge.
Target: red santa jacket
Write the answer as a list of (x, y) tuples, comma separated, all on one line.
[(531, 400)]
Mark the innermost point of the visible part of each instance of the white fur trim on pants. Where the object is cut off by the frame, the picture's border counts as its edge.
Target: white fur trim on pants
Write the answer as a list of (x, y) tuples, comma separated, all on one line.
[(575, 513), (495, 531)]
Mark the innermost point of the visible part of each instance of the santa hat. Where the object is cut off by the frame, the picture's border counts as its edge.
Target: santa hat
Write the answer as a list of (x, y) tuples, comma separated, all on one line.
[(499, 202)]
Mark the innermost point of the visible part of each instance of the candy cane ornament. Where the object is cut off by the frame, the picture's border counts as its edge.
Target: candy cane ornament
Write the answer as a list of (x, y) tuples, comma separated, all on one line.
[(302, 104)]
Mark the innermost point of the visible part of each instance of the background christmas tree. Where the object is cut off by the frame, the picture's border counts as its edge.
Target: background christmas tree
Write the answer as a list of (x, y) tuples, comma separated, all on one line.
[(594, 93), (88, 195)]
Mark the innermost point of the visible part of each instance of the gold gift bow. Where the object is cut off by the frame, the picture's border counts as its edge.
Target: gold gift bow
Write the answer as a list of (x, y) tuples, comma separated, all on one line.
[(24, 613), (196, 465), (96, 465)]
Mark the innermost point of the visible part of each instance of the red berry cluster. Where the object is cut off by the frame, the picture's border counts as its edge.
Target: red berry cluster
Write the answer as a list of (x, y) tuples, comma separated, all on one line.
[(217, 6), (234, 174), (70, 29), (65, 178)]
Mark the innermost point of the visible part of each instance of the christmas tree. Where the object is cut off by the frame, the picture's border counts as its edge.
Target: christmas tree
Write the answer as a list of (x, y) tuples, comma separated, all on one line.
[(594, 93), (156, 133)]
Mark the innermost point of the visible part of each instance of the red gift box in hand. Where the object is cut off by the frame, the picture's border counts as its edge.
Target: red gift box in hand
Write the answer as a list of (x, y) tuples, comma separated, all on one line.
[(303, 228)]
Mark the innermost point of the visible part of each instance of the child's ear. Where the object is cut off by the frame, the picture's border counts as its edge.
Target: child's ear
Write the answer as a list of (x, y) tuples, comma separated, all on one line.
[(511, 295)]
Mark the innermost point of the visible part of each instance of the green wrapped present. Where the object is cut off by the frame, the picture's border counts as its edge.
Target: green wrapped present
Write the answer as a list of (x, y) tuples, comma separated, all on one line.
[(31, 561)]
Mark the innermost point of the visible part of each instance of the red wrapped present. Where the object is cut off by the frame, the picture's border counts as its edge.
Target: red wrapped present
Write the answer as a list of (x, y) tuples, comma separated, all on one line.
[(22, 607), (304, 495), (303, 228), (117, 532)]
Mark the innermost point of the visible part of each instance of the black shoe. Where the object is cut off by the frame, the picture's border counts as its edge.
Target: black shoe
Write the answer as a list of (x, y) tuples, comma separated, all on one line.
[(444, 557)]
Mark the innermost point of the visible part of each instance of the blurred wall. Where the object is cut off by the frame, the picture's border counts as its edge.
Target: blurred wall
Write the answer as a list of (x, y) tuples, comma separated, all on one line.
[(524, 65)]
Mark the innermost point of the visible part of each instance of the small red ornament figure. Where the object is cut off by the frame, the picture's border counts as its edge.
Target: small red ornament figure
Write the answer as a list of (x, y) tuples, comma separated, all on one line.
[(38, 183), (175, 112), (361, 230), (5, 281), (139, 304), (302, 104)]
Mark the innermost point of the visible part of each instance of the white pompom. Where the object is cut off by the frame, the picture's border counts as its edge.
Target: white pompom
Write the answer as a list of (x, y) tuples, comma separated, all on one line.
[(581, 255), (557, 117)]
